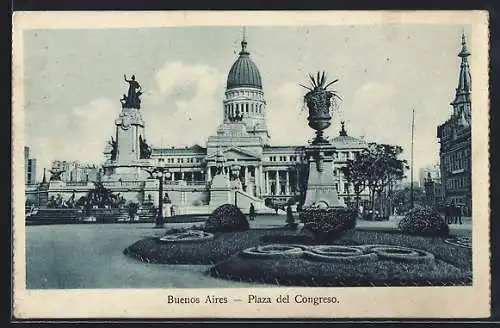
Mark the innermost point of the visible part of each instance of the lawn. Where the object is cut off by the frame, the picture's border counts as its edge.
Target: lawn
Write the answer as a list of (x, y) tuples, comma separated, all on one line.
[(452, 265)]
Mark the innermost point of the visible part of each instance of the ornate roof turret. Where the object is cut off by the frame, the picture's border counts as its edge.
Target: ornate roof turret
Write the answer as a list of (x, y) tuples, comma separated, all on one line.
[(464, 79), (244, 72)]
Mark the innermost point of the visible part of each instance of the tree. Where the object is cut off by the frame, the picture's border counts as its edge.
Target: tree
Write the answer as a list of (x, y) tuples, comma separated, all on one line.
[(377, 168), (402, 198), (355, 175)]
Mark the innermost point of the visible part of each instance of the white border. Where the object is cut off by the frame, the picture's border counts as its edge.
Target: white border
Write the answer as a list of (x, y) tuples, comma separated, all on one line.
[(373, 302)]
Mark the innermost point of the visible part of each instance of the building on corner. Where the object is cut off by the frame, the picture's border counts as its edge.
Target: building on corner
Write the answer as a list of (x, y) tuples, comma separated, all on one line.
[(455, 141)]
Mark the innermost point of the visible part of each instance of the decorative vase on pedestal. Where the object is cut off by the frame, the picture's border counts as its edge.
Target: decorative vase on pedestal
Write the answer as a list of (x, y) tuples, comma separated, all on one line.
[(324, 213), (321, 190)]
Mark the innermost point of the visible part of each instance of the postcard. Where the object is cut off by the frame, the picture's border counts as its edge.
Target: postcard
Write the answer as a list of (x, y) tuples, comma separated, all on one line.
[(220, 164)]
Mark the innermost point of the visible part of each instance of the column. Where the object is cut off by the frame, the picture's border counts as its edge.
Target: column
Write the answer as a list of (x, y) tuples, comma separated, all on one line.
[(297, 184), (287, 186), (262, 180), (266, 177), (209, 173), (246, 177), (172, 176), (256, 174), (182, 175), (278, 187)]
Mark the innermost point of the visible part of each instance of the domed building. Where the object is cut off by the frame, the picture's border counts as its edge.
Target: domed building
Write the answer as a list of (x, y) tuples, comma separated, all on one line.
[(265, 171)]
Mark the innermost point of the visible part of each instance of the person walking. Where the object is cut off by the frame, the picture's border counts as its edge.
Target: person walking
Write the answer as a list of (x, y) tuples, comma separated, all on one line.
[(458, 214), (447, 210), (252, 212)]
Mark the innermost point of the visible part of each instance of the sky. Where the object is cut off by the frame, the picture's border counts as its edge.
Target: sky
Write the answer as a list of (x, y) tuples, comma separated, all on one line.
[(73, 81)]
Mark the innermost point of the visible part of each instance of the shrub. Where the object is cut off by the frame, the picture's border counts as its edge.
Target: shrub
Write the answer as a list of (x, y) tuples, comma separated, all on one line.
[(226, 218), (423, 221), (328, 223)]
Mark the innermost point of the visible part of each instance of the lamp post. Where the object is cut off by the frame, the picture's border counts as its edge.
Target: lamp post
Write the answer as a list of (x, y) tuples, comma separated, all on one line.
[(160, 173)]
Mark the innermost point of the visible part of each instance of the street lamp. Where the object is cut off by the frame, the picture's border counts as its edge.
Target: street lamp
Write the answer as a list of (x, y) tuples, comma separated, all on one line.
[(160, 173)]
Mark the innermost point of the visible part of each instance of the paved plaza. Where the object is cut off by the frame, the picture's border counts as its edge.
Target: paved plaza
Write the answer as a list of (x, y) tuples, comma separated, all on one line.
[(90, 256)]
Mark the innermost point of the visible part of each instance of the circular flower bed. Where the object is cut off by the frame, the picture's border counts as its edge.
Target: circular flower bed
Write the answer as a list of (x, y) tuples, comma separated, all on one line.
[(460, 241), (399, 253), (187, 236), (326, 253), (274, 251), (337, 253), (340, 266)]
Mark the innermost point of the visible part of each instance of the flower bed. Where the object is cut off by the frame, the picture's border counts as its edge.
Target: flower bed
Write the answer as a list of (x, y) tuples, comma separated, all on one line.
[(328, 224)]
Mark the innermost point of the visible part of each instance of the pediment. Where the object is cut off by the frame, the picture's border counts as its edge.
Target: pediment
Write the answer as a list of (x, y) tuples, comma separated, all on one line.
[(236, 153)]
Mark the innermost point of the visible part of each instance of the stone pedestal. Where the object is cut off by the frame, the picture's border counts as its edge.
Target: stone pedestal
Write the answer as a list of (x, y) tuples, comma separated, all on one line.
[(321, 191), (220, 191)]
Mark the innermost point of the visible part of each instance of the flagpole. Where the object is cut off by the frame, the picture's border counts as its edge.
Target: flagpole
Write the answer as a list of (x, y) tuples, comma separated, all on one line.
[(411, 168)]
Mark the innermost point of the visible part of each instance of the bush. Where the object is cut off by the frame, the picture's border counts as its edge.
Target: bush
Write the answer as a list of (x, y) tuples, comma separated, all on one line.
[(423, 221), (328, 223), (226, 218)]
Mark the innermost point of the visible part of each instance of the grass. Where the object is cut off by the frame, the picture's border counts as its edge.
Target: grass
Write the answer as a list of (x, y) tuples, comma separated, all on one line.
[(224, 245), (301, 272), (453, 265)]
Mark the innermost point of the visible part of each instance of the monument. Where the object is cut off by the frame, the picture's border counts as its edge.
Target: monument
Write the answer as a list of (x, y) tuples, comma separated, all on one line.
[(128, 152), (321, 190)]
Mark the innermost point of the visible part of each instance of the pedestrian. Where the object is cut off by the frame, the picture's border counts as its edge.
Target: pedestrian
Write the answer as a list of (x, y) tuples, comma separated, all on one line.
[(459, 214), (276, 208), (252, 212), (447, 213)]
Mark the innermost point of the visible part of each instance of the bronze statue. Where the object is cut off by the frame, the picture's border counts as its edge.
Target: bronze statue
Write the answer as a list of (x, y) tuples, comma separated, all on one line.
[(145, 149), (132, 100), (124, 101), (114, 149), (56, 175)]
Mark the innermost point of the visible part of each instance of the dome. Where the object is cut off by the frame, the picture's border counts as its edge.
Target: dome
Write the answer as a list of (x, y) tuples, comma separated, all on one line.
[(244, 72)]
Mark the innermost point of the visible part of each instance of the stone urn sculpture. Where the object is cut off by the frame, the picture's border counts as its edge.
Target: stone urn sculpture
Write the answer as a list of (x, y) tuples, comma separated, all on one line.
[(324, 213), (320, 102)]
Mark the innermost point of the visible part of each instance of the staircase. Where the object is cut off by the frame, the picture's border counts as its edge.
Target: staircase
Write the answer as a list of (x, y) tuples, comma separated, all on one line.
[(55, 215), (244, 199)]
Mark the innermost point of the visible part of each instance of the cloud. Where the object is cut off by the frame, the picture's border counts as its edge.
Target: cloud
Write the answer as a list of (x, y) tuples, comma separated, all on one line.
[(186, 105), (287, 116)]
